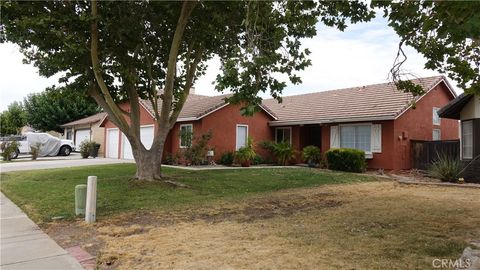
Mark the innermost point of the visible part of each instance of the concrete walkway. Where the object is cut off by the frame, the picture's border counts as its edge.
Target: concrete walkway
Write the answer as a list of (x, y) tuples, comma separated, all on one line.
[(24, 246), (52, 164)]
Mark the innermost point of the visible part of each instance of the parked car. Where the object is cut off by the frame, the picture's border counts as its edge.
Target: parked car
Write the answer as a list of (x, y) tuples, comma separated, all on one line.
[(49, 145)]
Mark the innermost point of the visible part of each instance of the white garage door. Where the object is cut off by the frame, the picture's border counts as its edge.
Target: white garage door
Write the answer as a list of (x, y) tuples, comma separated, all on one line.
[(146, 137), (80, 136), (112, 143)]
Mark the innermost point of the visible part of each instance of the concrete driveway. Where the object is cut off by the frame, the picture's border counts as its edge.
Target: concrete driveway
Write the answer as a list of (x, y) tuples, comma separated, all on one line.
[(56, 162)]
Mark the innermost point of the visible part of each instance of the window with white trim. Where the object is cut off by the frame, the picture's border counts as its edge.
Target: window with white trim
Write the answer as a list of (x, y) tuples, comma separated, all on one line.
[(436, 134), (356, 137), (435, 117), (186, 135), (467, 139), (242, 135), (283, 134)]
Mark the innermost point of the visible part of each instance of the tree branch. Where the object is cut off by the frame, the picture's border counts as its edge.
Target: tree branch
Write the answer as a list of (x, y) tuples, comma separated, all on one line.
[(187, 8), (109, 104)]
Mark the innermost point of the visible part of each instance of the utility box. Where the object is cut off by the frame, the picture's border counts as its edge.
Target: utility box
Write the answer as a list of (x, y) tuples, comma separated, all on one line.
[(80, 199)]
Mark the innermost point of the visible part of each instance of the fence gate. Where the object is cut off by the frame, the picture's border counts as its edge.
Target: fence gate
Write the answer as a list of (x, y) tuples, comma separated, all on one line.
[(425, 152)]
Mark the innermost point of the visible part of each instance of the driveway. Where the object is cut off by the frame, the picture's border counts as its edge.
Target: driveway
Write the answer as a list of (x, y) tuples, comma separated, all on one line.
[(56, 162)]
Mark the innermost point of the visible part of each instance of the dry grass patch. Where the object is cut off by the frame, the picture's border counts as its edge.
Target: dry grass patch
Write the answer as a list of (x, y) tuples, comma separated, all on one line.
[(361, 226)]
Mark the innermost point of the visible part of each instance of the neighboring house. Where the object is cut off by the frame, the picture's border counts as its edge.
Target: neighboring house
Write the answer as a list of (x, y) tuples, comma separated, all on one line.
[(376, 118), (466, 108), (87, 129)]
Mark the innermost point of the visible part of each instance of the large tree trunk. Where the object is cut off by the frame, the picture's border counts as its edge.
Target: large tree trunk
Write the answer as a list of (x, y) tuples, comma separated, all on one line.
[(148, 165)]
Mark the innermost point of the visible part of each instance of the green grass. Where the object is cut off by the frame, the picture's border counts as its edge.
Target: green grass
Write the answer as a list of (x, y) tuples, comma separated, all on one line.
[(44, 194)]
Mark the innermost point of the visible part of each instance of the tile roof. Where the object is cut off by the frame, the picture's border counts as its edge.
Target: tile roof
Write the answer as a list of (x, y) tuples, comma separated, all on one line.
[(87, 120), (370, 102), (195, 107)]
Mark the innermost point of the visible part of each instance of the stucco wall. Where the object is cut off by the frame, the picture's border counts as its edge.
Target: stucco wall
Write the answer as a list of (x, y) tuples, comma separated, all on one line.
[(417, 124), (471, 109)]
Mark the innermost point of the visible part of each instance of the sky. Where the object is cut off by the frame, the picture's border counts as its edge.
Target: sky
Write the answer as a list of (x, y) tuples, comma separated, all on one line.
[(363, 54)]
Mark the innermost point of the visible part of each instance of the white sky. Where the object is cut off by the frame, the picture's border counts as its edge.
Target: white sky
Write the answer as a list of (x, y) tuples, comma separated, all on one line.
[(361, 55)]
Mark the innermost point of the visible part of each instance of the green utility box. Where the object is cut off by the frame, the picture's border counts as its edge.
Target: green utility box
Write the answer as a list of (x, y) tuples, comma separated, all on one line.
[(80, 199)]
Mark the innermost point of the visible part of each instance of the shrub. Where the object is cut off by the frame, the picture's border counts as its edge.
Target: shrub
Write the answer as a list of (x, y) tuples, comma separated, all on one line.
[(171, 159), (85, 149), (258, 160), (311, 154), (9, 150), (446, 168), (35, 150), (196, 153), (227, 158), (245, 154), (283, 152), (346, 159)]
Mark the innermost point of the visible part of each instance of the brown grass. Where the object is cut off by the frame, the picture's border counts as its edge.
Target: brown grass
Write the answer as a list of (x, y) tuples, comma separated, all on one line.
[(363, 226)]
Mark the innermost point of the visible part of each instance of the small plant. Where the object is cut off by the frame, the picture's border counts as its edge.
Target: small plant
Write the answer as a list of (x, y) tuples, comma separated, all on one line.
[(312, 155), (258, 160), (195, 154), (172, 159), (35, 150), (446, 168), (245, 154), (227, 158), (9, 150), (85, 149), (346, 159), (283, 152)]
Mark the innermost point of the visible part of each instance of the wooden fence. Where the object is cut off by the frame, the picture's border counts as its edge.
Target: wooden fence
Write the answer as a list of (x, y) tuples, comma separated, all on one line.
[(425, 152)]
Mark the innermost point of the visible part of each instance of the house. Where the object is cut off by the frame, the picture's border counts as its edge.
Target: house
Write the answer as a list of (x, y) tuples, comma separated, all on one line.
[(466, 108), (378, 119), (87, 129), (200, 115)]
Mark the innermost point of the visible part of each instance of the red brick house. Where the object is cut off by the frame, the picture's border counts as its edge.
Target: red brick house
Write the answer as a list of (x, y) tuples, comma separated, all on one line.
[(376, 118)]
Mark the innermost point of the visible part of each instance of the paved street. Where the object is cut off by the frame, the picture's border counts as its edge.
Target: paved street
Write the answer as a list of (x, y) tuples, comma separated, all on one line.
[(25, 246), (24, 165)]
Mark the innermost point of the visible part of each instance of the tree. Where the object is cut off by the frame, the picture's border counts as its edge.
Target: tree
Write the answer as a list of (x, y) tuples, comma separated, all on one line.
[(56, 106), (447, 33), (156, 50), (13, 119)]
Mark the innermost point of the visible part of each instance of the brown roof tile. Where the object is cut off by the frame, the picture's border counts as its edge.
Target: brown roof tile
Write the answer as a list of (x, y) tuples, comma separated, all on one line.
[(195, 107), (87, 120), (370, 102)]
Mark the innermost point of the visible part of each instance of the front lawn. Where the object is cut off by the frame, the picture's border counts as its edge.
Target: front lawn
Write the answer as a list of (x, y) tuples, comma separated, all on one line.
[(44, 194)]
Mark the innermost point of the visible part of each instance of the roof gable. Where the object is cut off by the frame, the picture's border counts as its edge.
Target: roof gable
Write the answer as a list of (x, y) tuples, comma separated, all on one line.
[(99, 117)]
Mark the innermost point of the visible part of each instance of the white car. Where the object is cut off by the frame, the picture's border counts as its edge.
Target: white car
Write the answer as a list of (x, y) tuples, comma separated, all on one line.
[(49, 145)]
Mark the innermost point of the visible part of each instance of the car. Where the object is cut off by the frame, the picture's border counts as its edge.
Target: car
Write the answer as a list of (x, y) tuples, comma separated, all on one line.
[(49, 145)]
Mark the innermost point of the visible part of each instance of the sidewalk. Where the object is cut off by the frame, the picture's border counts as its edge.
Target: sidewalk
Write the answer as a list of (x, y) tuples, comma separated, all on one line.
[(24, 246)]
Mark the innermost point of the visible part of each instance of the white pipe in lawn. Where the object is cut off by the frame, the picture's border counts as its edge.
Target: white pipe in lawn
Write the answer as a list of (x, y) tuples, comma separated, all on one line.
[(91, 206)]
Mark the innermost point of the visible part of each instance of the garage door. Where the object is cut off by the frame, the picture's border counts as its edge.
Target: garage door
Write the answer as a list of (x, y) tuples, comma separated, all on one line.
[(80, 136), (112, 143), (146, 137)]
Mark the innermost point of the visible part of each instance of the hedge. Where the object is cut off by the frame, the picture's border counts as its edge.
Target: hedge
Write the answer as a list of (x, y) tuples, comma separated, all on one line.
[(346, 159)]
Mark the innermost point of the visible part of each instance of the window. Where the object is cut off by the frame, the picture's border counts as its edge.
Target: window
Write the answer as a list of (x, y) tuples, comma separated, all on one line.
[(356, 136), (283, 134), (69, 134), (437, 135), (242, 134), (186, 134), (436, 118), (467, 139)]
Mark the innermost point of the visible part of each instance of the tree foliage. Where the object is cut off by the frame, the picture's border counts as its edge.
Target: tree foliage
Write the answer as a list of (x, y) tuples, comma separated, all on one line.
[(13, 119), (156, 50), (56, 106), (447, 33)]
